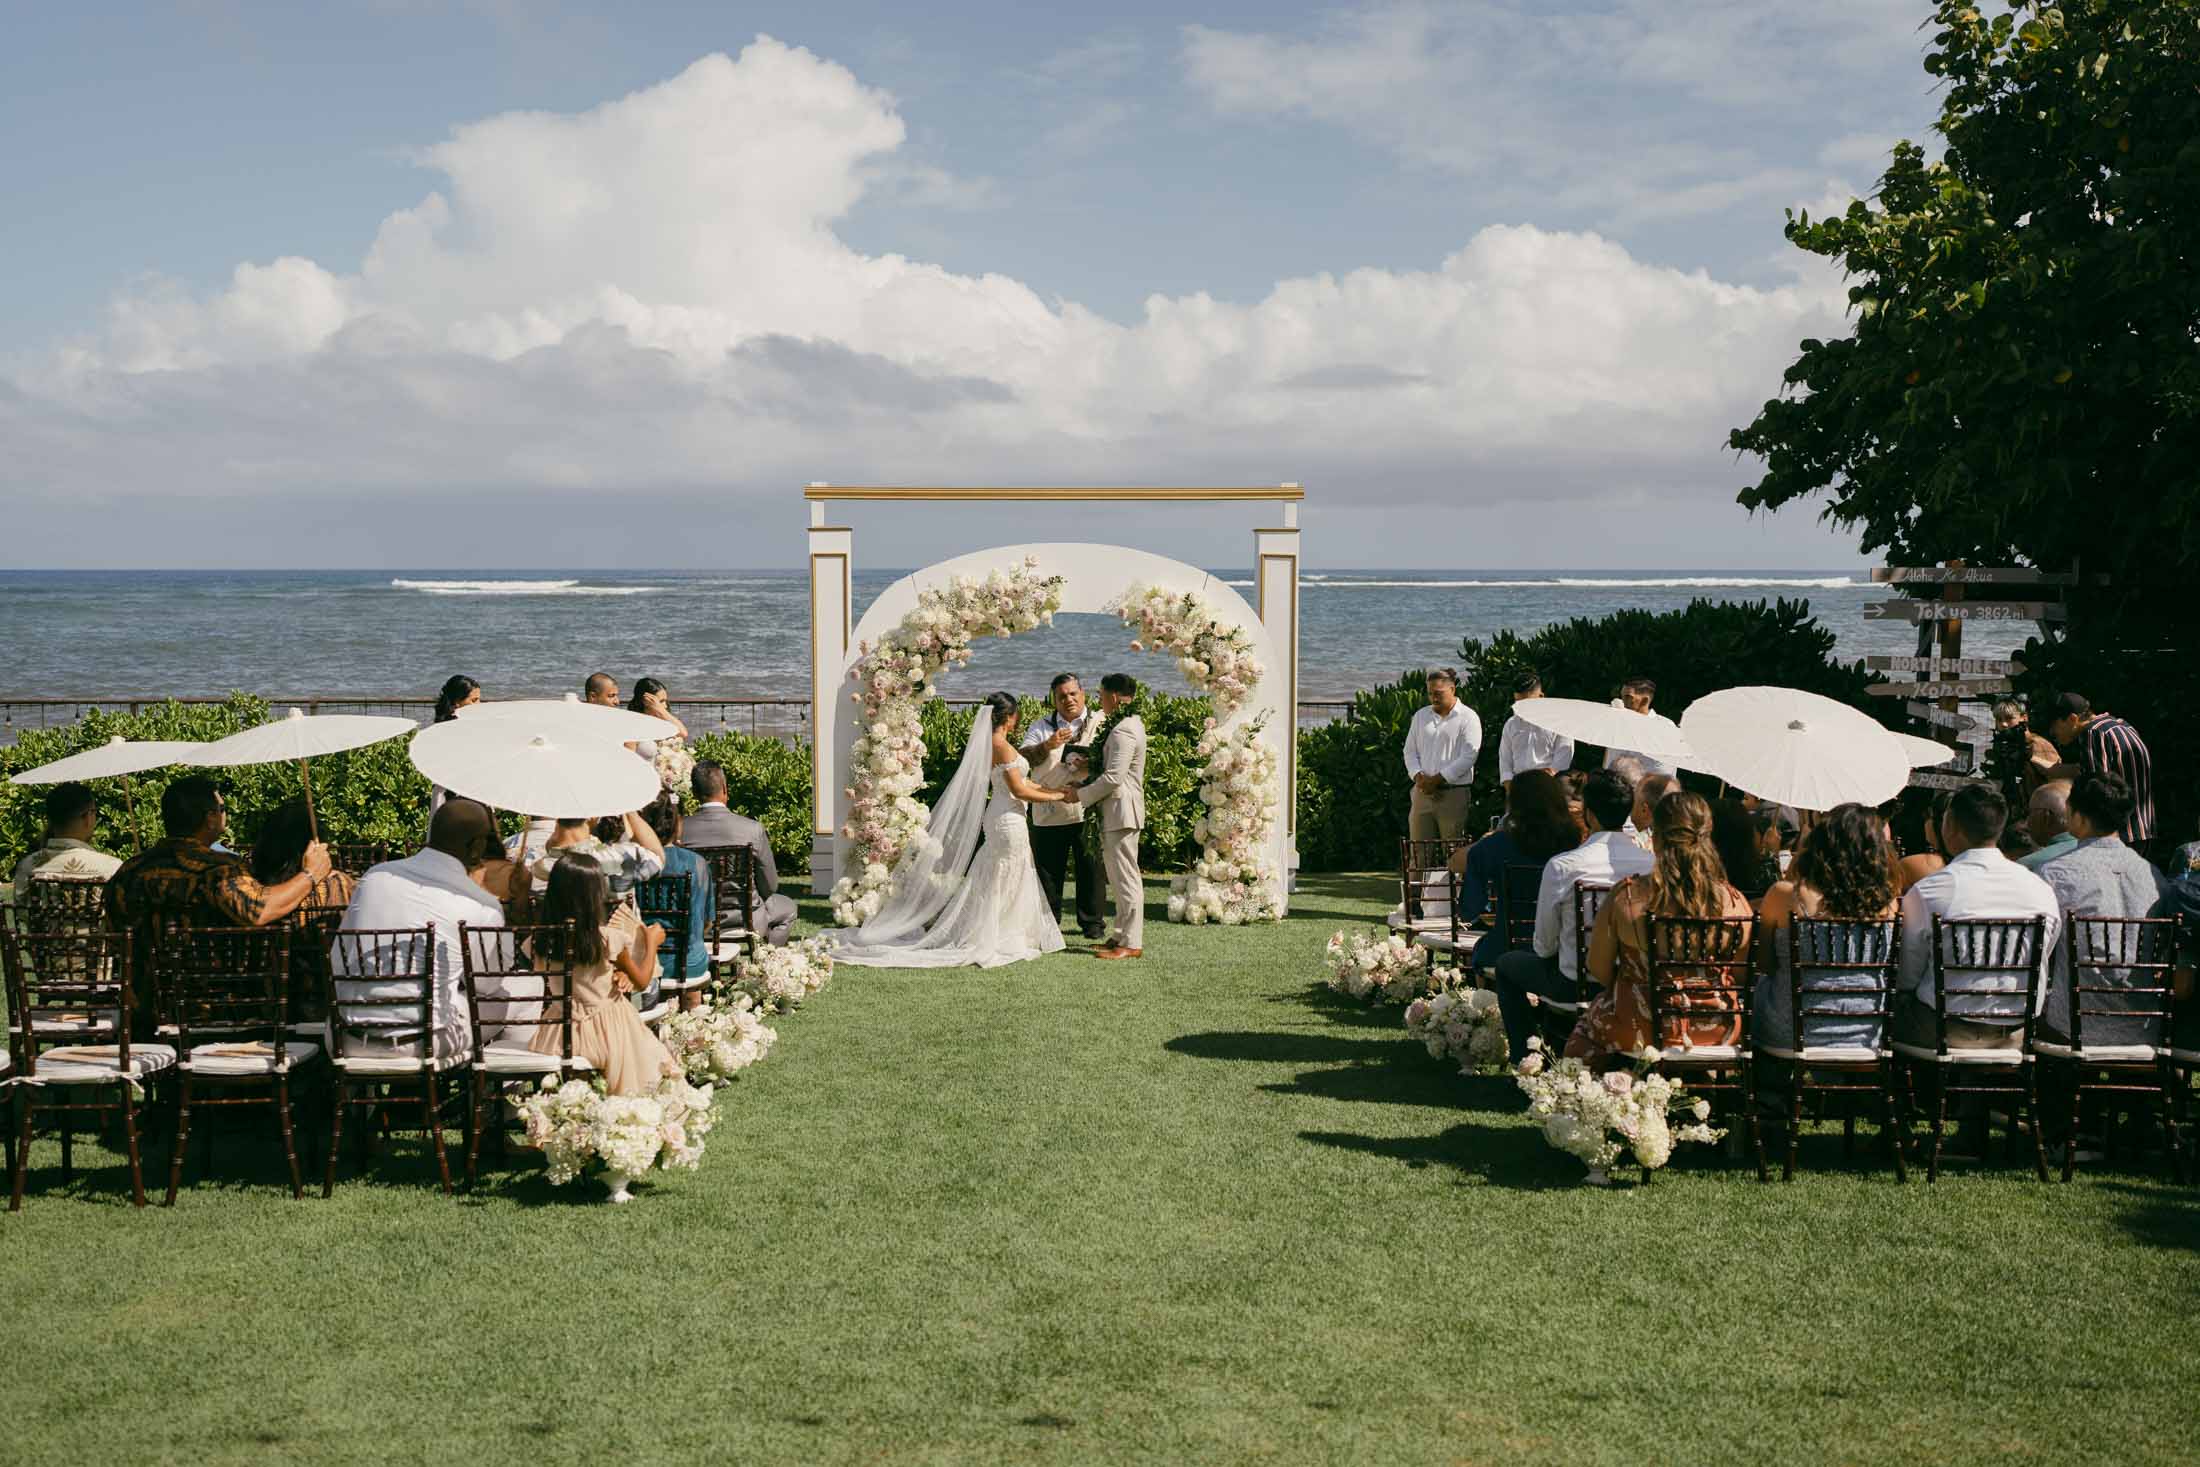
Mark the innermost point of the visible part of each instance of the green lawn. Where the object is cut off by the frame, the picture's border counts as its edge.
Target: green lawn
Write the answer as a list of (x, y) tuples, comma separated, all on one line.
[(1179, 1210)]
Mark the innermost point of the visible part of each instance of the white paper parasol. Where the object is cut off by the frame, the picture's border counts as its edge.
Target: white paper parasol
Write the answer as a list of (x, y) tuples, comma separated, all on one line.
[(569, 718), (1790, 747), (299, 737), (117, 757), (1652, 735), (507, 765), (1923, 753)]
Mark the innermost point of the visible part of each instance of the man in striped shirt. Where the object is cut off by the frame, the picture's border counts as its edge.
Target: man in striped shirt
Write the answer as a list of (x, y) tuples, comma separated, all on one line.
[(2105, 744)]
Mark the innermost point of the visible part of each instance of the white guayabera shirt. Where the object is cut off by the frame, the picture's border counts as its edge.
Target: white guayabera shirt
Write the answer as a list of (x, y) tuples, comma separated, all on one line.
[(1444, 745), (1524, 746), (1604, 859), (1979, 883)]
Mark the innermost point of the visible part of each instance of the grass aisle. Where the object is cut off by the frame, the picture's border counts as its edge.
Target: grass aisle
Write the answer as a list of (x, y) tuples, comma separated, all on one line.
[(1183, 1209)]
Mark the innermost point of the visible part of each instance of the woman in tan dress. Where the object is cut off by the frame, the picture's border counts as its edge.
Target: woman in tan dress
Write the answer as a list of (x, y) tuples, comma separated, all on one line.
[(1687, 881), (613, 956)]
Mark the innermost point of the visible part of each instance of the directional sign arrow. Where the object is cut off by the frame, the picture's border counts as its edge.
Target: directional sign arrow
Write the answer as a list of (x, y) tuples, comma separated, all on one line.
[(1970, 688), (1976, 575), (1962, 723), (1942, 667), (1934, 780), (1920, 611)]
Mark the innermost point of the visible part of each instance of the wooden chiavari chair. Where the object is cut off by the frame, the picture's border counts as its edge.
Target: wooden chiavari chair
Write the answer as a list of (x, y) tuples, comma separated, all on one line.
[(52, 975), (1699, 978), (1557, 1016), (669, 902), (1986, 970), (67, 906), (733, 870), (2119, 980), (527, 992), (387, 1031), (357, 857), (1418, 862), (227, 992), (1840, 977)]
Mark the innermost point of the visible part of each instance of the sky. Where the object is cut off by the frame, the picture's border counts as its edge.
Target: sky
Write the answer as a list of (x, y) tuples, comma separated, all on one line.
[(547, 284)]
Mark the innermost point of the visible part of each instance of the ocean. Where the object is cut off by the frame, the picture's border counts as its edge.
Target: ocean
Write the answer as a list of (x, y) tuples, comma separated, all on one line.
[(136, 634)]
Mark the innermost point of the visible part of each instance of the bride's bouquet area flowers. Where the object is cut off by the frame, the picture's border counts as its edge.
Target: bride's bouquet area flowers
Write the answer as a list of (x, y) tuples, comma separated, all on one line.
[(1461, 1024), (776, 979), (893, 680), (719, 1040), (1601, 1118), (1233, 881), (575, 1124), (675, 765), (1377, 968)]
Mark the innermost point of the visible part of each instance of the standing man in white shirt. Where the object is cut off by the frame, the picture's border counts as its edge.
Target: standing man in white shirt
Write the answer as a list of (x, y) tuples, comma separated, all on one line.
[(1441, 746), (1551, 968), (1978, 881), (1523, 746), (1058, 831), (1636, 695)]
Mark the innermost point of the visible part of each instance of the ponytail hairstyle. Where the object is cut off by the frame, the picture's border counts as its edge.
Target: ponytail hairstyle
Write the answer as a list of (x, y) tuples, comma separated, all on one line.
[(1688, 879), (456, 689)]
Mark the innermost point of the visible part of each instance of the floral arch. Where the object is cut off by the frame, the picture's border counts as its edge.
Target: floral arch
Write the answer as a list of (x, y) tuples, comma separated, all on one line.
[(927, 621)]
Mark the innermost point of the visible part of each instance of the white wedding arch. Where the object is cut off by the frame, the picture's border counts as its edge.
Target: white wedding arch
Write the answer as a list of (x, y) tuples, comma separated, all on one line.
[(1094, 578)]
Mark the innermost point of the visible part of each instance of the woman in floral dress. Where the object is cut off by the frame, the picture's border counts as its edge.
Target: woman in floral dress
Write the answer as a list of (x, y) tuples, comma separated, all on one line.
[(1687, 881)]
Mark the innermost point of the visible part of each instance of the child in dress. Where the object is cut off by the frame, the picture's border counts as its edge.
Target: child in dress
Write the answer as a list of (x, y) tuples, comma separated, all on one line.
[(613, 956)]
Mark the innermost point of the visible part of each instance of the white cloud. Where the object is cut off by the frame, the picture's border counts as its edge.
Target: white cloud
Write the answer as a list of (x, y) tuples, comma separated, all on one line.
[(651, 296)]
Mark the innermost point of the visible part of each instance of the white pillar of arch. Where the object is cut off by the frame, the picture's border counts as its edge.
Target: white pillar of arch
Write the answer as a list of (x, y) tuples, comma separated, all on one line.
[(1276, 595), (832, 622)]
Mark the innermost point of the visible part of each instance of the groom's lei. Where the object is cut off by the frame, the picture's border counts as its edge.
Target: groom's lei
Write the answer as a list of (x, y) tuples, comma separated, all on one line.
[(1098, 759)]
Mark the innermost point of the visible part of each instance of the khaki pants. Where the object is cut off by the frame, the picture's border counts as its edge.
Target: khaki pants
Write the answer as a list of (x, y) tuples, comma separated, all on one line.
[(1119, 853), (1441, 816)]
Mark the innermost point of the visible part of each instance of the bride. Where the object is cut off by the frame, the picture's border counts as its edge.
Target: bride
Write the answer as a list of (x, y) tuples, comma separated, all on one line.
[(946, 910)]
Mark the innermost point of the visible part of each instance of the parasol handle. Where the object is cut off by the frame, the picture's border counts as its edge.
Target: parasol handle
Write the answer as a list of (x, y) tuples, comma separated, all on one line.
[(129, 800), (305, 776)]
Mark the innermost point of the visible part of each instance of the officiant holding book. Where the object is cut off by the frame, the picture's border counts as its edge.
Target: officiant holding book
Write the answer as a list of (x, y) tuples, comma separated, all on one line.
[(1058, 831)]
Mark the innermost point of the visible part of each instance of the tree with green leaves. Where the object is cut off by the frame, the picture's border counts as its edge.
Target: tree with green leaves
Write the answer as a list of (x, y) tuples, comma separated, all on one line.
[(2021, 380)]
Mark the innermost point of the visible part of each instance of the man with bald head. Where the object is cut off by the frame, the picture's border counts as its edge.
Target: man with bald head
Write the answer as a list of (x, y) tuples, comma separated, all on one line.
[(435, 885), (2047, 819), (601, 689)]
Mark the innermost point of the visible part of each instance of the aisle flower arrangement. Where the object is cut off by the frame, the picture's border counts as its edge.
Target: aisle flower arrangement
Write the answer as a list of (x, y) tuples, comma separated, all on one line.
[(1233, 880), (575, 1124), (1378, 967), (1461, 1024), (1602, 1118), (893, 680), (719, 1040), (777, 979)]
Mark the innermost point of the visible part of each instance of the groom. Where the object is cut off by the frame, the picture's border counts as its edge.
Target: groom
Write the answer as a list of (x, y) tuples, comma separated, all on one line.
[(1119, 789)]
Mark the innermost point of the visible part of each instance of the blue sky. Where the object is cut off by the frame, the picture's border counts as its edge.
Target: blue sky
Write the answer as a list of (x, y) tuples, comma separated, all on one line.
[(1472, 260)]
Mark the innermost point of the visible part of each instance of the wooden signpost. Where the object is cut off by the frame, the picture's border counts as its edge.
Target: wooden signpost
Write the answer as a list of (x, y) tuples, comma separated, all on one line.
[(1942, 677)]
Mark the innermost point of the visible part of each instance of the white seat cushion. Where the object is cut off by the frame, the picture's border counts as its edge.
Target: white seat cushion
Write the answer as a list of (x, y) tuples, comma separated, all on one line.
[(97, 1021), (726, 949), (392, 1064), (1964, 1056), (1437, 942), (2106, 1054), (508, 1058), (255, 1057), (1703, 1053), (93, 1064), (1827, 1054), (656, 1014)]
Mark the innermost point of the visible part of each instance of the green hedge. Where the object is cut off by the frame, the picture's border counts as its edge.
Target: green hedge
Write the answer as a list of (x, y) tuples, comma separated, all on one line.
[(1352, 787)]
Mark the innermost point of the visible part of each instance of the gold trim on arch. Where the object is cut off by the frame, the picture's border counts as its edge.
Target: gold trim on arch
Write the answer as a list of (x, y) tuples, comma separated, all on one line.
[(1268, 493)]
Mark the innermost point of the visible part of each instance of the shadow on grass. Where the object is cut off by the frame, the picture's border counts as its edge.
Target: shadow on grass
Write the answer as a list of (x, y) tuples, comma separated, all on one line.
[(1332, 1005), (1500, 1156), (1394, 1083), (2156, 1217), (1271, 1048)]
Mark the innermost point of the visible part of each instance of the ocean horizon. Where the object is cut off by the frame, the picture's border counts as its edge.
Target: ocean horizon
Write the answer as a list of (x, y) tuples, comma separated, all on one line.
[(118, 634)]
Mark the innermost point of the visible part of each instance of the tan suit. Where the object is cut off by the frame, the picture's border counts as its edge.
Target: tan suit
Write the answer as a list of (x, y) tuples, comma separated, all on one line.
[(1119, 789)]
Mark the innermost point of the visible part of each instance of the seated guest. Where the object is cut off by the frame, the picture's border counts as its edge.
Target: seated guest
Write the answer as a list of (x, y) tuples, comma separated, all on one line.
[(713, 826), (1978, 881), (2047, 819), (1537, 826), (1650, 787), (2016, 843), (623, 845), (184, 878), (1442, 743), (1917, 866), (1844, 869), (1521, 746), (1605, 858), (1748, 844), (1636, 696), (2102, 743), (1685, 880), (434, 886), (72, 814), (279, 854), (2099, 876), (684, 866), (613, 955)]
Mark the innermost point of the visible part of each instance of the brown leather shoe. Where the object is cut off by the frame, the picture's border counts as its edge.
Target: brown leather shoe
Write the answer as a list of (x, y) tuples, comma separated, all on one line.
[(1120, 952)]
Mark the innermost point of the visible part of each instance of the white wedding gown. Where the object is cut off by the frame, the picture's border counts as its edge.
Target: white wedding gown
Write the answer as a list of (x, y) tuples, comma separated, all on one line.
[(996, 914)]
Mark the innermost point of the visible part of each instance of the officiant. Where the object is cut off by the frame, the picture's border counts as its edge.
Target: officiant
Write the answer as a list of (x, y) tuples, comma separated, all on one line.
[(1058, 831)]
